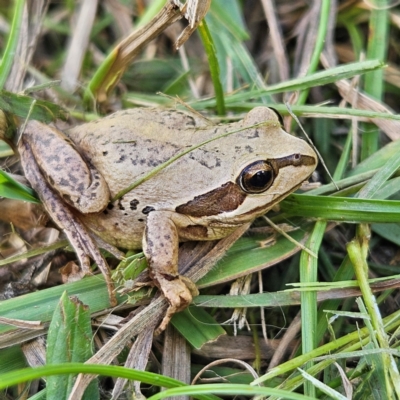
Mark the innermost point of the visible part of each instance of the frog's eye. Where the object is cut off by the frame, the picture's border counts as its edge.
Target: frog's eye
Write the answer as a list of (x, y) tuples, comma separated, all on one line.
[(257, 177)]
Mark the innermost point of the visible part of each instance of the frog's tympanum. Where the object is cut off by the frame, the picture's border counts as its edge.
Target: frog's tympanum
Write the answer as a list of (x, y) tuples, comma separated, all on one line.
[(203, 195)]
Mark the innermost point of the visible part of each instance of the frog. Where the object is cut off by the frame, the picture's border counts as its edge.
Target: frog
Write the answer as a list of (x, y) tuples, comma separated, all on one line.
[(221, 177)]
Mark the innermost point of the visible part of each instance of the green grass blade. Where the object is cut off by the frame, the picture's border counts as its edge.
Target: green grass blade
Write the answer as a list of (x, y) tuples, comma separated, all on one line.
[(342, 208), (317, 79), (209, 48), (377, 49), (197, 326), (318, 47), (233, 390), (389, 232), (357, 253), (309, 274), (333, 394), (40, 305), (12, 189), (29, 374), (380, 178), (23, 106), (69, 340), (12, 42), (355, 339), (230, 18), (247, 256)]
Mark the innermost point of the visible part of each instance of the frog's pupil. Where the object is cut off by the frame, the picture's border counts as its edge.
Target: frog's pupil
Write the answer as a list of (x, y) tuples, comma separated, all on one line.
[(260, 179)]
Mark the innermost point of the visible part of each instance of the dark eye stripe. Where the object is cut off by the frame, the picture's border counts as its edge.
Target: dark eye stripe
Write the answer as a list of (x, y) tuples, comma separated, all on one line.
[(296, 160)]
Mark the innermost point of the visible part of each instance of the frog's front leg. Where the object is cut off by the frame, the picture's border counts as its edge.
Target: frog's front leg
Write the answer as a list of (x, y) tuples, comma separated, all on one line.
[(160, 246)]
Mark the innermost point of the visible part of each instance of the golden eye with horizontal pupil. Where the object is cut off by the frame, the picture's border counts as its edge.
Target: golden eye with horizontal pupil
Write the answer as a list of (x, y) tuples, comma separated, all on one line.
[(256, 177)]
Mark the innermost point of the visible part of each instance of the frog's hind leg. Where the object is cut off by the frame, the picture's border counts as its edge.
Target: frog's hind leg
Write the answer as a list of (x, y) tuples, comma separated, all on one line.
[(76, 232), (70, 174)]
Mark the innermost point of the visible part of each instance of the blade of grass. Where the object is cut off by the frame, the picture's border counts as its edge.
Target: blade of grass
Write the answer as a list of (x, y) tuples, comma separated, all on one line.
[(233, 390), (247, 256), (163, 165), (28, 374), (317, 79), (333, 394), (34, 252), (380, 178), (377, 48), (358, 250), (309, 274), (12, 42), (310, 111), (230, 18), (12, 189), (318, 47), (355, 339), (214, 66), (69, 339), (116, 62), (237, 66), (24, 106), (342, 208), (197, 326), (41, 304), (344, 272)]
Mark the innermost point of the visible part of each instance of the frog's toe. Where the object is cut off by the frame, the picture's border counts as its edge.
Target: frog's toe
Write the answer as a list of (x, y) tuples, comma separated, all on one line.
[(190, 285), (179, 291)]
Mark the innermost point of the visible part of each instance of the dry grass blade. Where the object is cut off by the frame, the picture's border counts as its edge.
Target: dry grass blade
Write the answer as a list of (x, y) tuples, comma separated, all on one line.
[(123, 54), (364, 102), (307, 31), (241, 347), (137, 358), (79, 42), (33, 17), (130, 47), (276, 38), (22, 323), (194, 11), (176, 360), (290, 335), (243, 364)]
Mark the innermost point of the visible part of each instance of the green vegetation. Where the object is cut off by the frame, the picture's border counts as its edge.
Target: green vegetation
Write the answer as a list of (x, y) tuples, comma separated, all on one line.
[(334, 65)]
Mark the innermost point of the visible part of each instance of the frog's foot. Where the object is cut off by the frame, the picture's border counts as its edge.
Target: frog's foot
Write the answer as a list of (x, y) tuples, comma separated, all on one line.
[(84, 247), (179, 291)]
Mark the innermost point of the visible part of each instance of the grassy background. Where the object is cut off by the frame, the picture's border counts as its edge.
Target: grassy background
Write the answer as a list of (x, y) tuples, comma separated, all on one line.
[(336, 64)]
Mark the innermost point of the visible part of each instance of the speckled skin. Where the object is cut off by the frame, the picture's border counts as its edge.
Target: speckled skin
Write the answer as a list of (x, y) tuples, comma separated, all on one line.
[(197, 197), (130, 143)]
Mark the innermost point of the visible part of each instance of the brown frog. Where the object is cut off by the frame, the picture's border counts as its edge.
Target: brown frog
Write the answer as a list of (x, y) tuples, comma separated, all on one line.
[(203, 195)]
